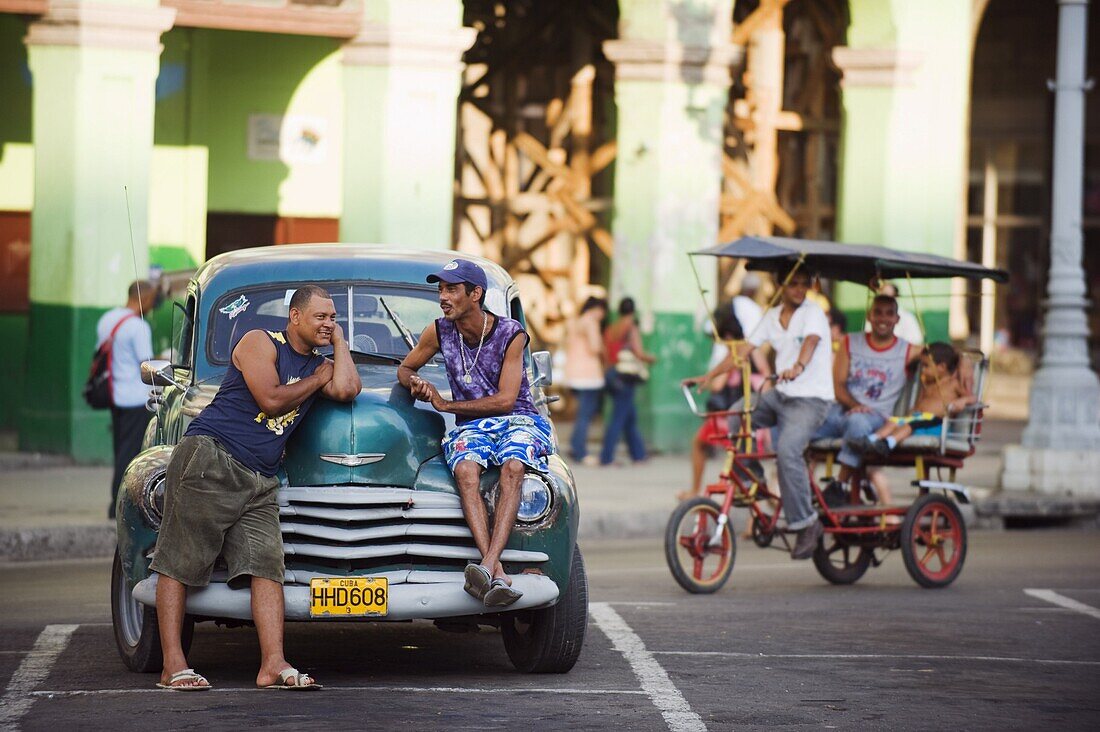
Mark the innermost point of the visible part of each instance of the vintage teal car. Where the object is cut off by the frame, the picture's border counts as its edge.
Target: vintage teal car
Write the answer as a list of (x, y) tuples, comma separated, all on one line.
[(365, 491)]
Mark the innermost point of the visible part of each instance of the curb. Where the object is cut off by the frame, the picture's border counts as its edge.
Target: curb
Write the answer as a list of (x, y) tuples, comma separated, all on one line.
[(57, 542), (32, 460)]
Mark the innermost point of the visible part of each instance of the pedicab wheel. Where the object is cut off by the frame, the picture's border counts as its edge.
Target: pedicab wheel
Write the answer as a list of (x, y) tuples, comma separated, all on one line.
[(840, 561), (933, 541), (699, 548), (549, 640), (760, 537), (136, 633)]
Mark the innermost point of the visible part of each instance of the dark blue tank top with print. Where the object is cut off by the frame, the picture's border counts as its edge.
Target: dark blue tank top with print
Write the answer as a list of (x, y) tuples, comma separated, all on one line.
[(234, 419), (481, 365)]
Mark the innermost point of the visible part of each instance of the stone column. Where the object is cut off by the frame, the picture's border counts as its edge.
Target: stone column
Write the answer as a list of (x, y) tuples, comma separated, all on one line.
[(904, 138), (1060, 443), (672, 85), (94, 66), (401, 81)]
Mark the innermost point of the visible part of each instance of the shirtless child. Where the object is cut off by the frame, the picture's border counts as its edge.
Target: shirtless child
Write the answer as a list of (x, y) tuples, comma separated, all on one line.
[(941, 393)]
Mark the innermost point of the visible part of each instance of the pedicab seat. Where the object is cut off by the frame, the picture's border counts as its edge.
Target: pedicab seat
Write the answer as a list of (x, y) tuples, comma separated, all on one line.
[(959, 433)]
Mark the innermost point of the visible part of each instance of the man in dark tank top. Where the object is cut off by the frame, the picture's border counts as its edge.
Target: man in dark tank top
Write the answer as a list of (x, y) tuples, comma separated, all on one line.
[(496, 421), (220, 493)]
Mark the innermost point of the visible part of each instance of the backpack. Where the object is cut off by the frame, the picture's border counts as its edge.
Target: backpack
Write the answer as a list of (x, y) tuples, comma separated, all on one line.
[(97, 389)]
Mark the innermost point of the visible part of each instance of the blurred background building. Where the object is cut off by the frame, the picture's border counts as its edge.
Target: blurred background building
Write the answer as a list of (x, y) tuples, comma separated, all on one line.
[(581, 143)]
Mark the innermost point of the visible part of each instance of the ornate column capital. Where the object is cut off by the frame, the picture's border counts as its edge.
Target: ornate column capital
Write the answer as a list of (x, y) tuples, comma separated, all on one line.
[(379, 44), (124, 27), (881, 67), (653, 60)]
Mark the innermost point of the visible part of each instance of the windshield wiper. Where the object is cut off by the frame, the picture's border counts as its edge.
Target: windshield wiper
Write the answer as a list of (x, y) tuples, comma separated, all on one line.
[(405, 334)]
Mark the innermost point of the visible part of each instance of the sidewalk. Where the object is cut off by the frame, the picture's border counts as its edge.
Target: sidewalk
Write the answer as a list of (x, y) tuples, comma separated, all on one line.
[(51, 509)]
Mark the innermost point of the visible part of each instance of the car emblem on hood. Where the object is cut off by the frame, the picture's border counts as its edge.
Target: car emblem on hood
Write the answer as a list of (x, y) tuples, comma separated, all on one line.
[(352, 461)]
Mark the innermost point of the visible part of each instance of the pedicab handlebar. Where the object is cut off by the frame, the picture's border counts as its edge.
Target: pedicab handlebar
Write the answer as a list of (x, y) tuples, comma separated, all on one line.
[(689, 395)]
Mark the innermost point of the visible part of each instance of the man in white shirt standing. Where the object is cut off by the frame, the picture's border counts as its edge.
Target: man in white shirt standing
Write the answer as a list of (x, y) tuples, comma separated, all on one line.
[(133, 343), (799, 332)]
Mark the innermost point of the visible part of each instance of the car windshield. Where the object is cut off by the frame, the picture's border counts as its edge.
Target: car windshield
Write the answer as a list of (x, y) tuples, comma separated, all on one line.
[(369, 329)]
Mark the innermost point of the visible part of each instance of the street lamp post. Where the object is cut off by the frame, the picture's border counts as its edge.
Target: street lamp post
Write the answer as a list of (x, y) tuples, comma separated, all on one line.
[(1062, 437)]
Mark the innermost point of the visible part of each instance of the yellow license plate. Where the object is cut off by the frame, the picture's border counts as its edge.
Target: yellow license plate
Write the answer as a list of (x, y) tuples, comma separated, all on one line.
[(348, 597)]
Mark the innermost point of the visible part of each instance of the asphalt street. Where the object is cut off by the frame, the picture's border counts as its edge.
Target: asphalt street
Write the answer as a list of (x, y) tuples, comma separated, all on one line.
[(1013, 644)]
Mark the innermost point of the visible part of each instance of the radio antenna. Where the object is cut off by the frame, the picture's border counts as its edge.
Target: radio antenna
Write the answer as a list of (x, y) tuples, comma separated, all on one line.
[(133, 251)]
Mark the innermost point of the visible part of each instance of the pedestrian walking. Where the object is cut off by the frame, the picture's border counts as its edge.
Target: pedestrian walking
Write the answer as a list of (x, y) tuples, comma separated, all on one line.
[(584, 372), (131, 343), (628, 360)]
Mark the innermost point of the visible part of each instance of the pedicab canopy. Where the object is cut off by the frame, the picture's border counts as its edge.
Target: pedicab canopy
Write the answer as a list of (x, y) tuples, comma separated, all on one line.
[(849, 262)]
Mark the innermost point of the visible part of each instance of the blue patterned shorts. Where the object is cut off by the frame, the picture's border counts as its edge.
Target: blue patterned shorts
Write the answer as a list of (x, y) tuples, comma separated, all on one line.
[(493, 440)]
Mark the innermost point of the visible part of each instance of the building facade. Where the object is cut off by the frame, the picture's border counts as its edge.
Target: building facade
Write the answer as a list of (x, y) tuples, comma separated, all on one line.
[(579, 143)]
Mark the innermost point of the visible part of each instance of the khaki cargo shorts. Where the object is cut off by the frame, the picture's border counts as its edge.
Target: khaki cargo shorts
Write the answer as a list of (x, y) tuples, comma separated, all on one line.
[(214, 505)]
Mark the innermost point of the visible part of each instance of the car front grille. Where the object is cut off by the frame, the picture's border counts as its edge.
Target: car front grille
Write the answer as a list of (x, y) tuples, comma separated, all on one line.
[(344, 530)]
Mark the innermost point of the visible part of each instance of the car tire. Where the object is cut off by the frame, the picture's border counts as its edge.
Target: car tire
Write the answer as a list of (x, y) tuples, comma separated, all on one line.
[(137, 635), (549, 641)]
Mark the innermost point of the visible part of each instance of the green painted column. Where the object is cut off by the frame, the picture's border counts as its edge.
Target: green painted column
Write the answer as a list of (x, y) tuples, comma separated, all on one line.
[(94, 66), (904, 138), (671, 87), (401, 82)]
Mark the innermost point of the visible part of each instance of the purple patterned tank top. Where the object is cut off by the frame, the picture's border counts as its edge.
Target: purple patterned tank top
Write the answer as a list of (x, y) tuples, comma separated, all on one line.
[(483, 370)]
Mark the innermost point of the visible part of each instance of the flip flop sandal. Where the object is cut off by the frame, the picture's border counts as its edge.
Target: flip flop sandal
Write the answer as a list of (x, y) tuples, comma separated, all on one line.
[(299, 681), (188, 674), (478, 581), (500, 594)]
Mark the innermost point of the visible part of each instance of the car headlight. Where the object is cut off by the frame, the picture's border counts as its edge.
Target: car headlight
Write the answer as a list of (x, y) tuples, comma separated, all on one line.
[(535, 500), (151, 501)]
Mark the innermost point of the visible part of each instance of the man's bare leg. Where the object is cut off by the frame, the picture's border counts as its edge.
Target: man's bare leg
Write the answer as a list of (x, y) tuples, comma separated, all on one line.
[(511, 477), (698, 463), (468, 476), (267, 613), (171, 607)]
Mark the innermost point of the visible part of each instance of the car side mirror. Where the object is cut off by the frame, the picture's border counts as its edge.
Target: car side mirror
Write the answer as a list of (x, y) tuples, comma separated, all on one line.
[(543, 369), (158, 373)]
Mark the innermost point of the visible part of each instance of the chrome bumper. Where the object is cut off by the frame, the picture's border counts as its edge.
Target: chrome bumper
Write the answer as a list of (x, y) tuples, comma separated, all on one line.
[(408, 600)]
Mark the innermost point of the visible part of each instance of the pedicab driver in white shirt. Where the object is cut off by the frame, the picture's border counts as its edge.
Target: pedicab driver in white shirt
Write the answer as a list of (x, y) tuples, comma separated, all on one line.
[(798, 330)]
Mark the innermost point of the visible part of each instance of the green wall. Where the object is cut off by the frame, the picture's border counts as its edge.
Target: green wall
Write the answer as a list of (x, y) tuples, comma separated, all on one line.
[(13, 334), (903, 141), (212, 82)]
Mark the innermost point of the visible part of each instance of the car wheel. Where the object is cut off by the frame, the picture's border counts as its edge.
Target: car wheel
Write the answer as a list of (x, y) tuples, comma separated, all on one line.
[(549, 641), (136, 633)]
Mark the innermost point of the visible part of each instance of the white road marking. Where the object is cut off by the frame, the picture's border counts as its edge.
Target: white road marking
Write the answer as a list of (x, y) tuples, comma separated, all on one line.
[(642, 604), (1070, 604), (654, 680), (34, 668), (878, 656), (329, 687)]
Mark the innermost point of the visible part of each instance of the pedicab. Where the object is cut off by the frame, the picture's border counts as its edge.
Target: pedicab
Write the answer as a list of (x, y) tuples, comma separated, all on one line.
[(700, 542)]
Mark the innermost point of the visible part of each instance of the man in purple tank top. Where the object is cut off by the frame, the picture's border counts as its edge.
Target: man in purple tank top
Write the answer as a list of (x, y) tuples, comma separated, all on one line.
[(496, 421)]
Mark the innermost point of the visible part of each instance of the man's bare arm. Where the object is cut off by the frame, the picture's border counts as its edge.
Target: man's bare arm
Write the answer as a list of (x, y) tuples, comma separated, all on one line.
[(255, 357), (345, 384), (422, 352), (841, 364), (494, 405), (809, 343)]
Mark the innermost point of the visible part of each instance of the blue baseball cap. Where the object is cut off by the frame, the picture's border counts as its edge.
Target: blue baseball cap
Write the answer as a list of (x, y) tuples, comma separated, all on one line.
[(461, 270)]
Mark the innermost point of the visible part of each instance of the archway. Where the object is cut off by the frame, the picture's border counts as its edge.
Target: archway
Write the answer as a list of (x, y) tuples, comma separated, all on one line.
[(1009, 184)]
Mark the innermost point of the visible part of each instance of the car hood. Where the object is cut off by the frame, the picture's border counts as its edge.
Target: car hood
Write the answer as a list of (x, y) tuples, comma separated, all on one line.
[(383, 437)]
